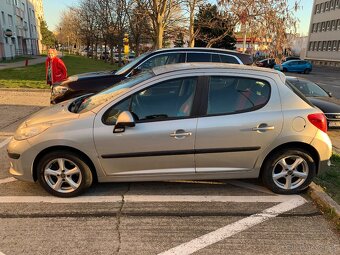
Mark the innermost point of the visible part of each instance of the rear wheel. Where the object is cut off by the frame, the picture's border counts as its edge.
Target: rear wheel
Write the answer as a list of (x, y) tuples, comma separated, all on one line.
[(64, 174), (307, 71), (288, 171)]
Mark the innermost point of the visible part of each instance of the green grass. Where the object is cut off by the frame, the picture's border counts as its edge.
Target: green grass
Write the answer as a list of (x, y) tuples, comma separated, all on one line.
[(34, 76), (17, 59), (330, 180)]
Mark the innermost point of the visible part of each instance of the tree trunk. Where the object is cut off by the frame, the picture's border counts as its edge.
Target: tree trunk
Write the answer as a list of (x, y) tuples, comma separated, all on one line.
[(191, 24), (159, 32)]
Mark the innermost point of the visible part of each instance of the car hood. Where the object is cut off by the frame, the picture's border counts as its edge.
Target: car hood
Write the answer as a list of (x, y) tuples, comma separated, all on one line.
[(84, 76), (52, 115), (326, 104)]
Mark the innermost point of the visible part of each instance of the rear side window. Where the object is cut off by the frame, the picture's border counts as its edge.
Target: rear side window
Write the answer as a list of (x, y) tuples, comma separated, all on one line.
[(228, 59), (228, 95), (163, 59), (198, 57)]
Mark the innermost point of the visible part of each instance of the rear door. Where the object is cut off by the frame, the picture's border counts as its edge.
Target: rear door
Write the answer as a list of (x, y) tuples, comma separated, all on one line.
[(242, 116)]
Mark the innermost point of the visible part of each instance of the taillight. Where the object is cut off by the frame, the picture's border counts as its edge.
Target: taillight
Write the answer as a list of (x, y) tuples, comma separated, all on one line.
[(319, 120)]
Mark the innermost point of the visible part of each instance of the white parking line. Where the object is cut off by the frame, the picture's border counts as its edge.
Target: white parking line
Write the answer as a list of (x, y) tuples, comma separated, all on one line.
[(250, 186), (147, 198), (2, 253), (4, 143), (234, 228), (7, 180)]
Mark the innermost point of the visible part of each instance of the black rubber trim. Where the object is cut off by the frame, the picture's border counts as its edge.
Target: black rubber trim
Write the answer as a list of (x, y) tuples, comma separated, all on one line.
[(14, 155), (178, 152)]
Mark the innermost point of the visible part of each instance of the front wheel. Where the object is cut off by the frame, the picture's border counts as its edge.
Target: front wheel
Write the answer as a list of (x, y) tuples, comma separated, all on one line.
[(64, 174), (288, 171)]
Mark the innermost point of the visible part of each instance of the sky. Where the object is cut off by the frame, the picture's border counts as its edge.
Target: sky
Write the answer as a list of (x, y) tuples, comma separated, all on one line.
[(53, 10)]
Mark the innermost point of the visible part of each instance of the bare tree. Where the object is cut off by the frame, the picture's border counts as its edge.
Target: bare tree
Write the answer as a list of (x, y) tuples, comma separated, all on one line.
[(268, 19)]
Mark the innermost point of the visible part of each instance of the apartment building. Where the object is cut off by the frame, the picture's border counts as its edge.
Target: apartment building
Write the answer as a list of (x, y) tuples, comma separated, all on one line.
[(19, 28), (324, 35)]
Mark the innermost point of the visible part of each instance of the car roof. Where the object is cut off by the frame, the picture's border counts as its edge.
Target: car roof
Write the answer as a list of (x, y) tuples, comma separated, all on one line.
[(209, 65), (245, 58)]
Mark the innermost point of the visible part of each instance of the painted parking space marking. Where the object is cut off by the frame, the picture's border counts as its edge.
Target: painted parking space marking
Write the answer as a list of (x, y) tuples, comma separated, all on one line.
[(147, 198), (2, 253), (234, 228), (7, 180), (4, 143), (250, 186)]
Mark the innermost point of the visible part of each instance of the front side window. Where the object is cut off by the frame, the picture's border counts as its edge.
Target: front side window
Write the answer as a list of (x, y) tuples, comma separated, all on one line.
[(162, 59), (229, 95), (165, 100)]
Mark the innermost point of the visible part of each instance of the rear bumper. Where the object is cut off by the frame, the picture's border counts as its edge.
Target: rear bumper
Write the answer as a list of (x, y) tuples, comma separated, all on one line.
[(323, 145)]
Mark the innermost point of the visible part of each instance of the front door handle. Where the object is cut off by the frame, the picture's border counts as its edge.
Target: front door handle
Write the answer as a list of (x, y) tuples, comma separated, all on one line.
[(262, 128), (180, 134)]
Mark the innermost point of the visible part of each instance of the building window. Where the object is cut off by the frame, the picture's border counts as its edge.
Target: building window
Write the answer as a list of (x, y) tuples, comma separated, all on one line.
[(339, 45), (338, 24), (322, 7), (329, 45), (337, 3), (334, 45), (10, 21), (324, 46), (316, 46), (327, 6), (317, 9), (333, 25), (310, 46), (313, 26), (3, 18), (323, 26), (332, 5), (319, 46), (328, 25)]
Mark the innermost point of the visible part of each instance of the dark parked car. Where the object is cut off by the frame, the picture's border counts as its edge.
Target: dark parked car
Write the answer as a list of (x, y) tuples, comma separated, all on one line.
[(94, 82), (320, 98), (267, 62)]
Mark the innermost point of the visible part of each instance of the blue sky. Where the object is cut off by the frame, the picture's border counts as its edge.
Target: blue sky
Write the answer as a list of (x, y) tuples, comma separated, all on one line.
[(53, 10)]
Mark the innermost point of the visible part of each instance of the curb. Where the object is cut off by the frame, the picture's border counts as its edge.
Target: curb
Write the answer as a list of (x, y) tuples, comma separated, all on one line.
[(25, 90), (320, 197)]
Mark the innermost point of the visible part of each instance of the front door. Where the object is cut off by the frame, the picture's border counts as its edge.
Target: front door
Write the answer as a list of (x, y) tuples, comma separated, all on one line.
[(162, 141), (243, 116)]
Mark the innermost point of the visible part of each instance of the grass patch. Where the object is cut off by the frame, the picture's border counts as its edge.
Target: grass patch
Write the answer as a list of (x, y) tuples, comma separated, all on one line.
[(330, 180), (34, 76), (17, 59)]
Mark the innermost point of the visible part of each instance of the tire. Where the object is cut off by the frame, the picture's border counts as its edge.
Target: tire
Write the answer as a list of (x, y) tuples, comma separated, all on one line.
[(276, 177), (284, 70), (64, 174), (307, 71)]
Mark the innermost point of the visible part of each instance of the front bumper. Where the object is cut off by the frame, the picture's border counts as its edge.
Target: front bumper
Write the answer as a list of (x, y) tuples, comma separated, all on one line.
[(21, 157)]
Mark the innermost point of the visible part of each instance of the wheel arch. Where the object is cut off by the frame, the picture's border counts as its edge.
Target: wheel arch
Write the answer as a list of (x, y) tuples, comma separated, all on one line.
[(294, 145), (63, 148)]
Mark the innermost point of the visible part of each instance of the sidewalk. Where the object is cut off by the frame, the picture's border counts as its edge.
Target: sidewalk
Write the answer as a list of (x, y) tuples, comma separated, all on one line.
[(37, 60)]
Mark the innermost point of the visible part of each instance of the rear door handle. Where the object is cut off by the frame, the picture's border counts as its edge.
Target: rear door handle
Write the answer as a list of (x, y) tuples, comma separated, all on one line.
[(263, 128)]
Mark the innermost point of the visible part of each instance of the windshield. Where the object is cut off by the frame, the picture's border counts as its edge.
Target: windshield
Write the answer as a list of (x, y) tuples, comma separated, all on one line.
[(131, 64), (308, 88), (89, 103)]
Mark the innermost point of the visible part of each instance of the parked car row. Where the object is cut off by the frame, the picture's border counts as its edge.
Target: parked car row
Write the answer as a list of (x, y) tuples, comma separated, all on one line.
[(94, 82)]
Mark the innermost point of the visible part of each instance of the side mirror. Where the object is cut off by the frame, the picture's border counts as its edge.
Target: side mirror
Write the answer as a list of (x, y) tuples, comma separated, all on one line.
[(125, 119)]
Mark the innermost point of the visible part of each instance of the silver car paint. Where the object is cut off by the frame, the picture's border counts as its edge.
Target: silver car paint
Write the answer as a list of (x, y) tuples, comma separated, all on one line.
[(78, 132)]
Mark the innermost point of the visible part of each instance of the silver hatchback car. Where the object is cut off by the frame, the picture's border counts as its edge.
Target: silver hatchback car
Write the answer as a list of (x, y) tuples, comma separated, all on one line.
[(185, 121)]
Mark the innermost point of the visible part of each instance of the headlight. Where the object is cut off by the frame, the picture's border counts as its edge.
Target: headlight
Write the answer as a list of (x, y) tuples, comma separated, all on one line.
[(23, 132), (59, 90)]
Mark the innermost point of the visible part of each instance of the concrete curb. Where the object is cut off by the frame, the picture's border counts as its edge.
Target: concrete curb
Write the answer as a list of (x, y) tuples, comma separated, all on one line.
[(322, 199), (25, 90)]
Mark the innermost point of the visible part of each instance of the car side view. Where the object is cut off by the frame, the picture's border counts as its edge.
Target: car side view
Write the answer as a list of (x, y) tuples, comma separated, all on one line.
[(298, 66), (187, 121), (77, 85)]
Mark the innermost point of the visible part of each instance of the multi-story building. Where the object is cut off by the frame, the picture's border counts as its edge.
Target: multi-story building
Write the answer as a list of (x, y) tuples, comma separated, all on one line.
[(19, 28), (324, 33)]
